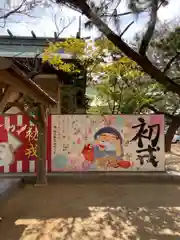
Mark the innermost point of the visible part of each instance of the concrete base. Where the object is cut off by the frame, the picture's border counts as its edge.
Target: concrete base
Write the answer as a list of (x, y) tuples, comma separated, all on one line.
[(110, 177), (13, 181)]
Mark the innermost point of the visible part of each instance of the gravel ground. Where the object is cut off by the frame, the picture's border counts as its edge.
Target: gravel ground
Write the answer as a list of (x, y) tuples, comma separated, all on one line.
[(173, 158), (95, 211), (92, 211)]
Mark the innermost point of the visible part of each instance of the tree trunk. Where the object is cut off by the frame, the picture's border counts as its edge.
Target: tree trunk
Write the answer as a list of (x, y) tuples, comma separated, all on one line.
[(41, 161), (174, 125)]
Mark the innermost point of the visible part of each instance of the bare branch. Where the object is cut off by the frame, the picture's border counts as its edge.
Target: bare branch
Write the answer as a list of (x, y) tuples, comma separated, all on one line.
[(62, 30), (5, 16), (58, 23), (117, 15), (171, 62), (20, 10), (126, 28), (55, 22)]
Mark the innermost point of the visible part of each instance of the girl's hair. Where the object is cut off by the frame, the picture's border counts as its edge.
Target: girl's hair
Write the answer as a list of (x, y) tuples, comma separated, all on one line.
[(110, 130)]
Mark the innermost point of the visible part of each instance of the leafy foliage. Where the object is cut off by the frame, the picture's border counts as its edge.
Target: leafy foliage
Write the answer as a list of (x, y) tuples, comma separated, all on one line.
[(119, 77), (85, 53), (169, 44), (165, 51), (120, 82), (75, 47), (122, 88)]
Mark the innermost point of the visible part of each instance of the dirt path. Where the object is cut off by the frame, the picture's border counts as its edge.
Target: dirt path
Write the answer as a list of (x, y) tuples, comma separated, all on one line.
[(93, 212)]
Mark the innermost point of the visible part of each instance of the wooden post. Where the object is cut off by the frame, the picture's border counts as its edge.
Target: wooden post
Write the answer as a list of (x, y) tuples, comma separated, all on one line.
[(42, 146)]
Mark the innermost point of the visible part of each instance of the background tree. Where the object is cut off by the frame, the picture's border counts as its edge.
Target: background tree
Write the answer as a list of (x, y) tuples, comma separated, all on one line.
[(165, 53), (122, 87), (122, 84), (98, 15), (140, 57), (110, 8)]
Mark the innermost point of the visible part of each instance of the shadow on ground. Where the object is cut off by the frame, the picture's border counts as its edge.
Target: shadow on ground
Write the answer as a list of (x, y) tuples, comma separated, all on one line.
[(93, 211), (173, 158)]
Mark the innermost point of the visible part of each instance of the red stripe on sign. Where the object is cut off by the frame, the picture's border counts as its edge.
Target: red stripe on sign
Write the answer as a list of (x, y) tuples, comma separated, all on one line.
[(49, 134), (12, 131), (1, 120), (1, 169), (1, 125), (25, 119), (12, 121)]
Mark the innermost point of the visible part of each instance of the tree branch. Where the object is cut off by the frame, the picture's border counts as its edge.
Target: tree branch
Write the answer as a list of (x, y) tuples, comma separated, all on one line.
[(62, 30), (118, 14), (156, 111), (176, 78), (170, 62), (150, 30), (175, 110), (126, 28), (5, 16), (146, 65)]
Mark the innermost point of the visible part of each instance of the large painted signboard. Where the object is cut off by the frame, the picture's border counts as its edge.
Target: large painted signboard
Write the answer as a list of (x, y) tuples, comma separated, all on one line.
[(107, 143), (18, 145)]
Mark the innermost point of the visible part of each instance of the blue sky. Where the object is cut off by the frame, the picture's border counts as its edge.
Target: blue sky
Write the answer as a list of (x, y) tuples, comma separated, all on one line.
[(43, 23)]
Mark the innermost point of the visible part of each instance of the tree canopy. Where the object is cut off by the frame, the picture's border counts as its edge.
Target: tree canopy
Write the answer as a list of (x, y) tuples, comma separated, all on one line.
[(98, 14)]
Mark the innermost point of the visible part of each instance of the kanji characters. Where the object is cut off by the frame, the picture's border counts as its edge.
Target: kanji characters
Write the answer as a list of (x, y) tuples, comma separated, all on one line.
[(147, 133), (31, 151), (31, 134)]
